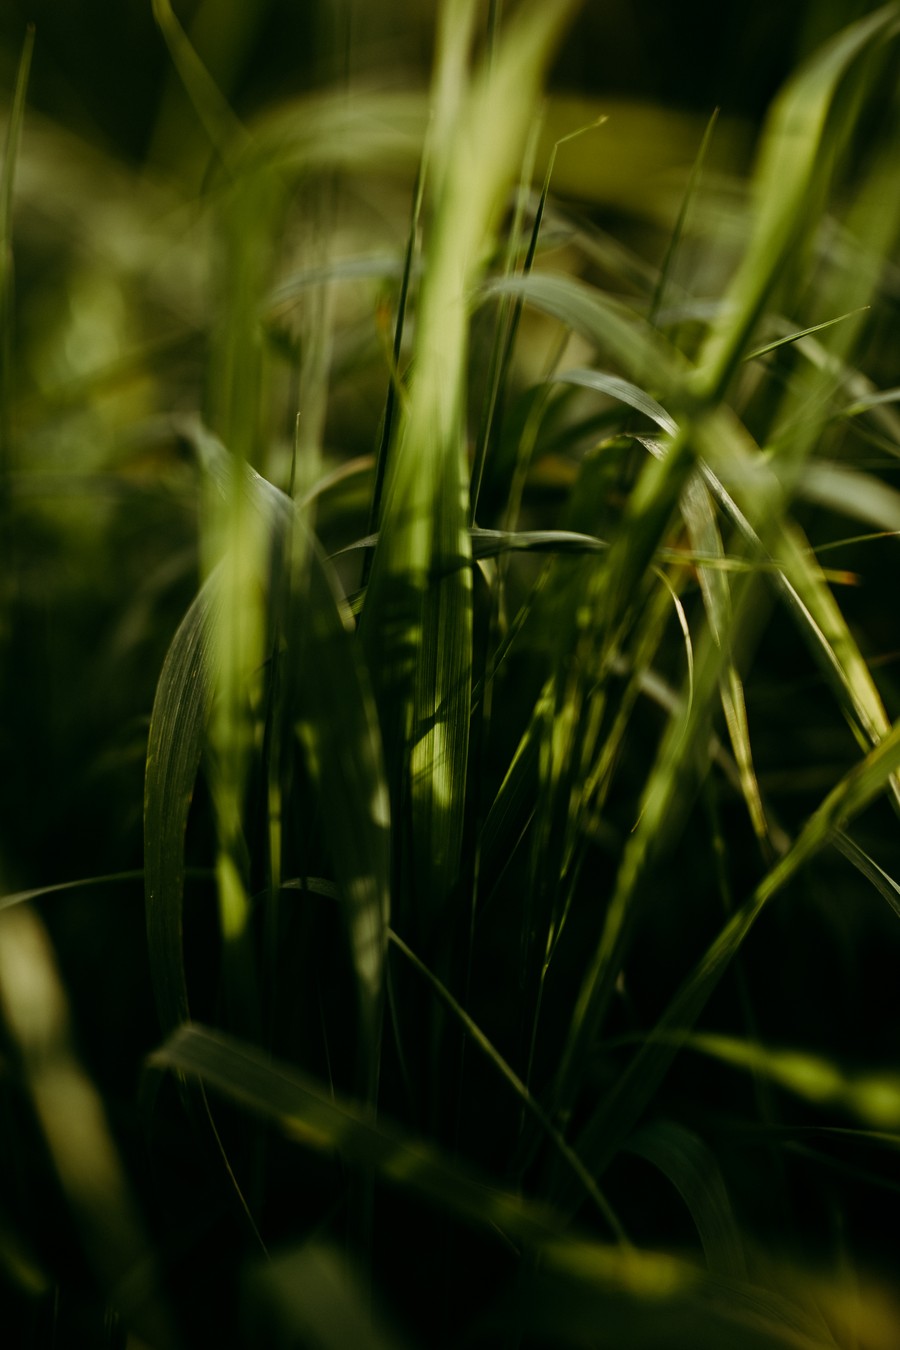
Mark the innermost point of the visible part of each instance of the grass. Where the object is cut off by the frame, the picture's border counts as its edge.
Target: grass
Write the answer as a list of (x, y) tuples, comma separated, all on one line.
[(512, 614)]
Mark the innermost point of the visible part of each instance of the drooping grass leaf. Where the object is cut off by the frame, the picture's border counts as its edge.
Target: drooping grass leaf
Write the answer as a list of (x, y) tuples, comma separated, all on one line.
[(308, 1113), (692, 1168)]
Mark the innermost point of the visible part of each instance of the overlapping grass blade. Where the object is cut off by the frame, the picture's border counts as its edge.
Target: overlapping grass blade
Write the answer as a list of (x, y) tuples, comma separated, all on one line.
[(799, 146), (417, 621), (691, 1166), (519, 1088), (332, 714)]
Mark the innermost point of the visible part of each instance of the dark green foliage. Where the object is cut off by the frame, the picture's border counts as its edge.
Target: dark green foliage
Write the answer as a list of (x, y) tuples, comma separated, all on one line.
[(506, 615)]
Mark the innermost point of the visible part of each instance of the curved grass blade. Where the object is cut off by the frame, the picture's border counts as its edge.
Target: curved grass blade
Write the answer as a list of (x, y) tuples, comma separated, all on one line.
[(691, 1166), (623, 391), (174, 750), (703, 532), (612, 326), (61, 887), (886, 886)]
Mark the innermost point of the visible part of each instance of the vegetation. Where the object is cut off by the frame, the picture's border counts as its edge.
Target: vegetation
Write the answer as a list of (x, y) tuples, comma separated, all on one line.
[(492, 591)]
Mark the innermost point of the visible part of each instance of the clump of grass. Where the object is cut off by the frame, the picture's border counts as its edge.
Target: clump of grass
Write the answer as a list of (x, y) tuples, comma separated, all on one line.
[(462, 829)]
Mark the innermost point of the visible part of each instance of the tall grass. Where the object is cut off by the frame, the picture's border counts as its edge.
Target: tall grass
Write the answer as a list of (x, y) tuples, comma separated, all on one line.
[(510, 990)]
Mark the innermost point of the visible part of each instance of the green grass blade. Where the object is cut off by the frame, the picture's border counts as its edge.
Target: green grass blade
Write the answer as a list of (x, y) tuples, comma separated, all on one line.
[(802, 333), (886, 886), (7, 181), (174, 750), (691, 1166), (649, 1298), (315, 1296), (337, 727), (72, 1119), (224, 130), (703, 531), (623, 391), (799, 145), (693, 183), (310, 1114), (530, 1103), (417, 620), (615, 1118), (873, 1097)]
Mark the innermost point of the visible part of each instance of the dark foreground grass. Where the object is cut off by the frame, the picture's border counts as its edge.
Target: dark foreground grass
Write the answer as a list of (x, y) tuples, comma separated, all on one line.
[(517, 961)]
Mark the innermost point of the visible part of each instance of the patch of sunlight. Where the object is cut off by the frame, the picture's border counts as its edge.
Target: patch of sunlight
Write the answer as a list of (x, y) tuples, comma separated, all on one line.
[(233, 903), (380, 806), (431, 764), (368, 935), (651, 1275), (877, 1099)]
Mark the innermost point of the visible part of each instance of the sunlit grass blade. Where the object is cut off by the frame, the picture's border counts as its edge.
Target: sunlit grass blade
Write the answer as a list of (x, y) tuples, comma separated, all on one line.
[(314, 1292), (802, 333), (703, 532), (799, 580), (417, 621), (650, 1298), (623, 391), (872, 1097), (852, 493), (799, 145), (73, 1120)]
